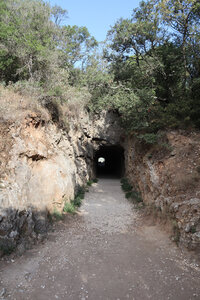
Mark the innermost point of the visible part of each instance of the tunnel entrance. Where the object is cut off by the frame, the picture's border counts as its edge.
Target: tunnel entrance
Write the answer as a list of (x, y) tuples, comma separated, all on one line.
[(109, 161)]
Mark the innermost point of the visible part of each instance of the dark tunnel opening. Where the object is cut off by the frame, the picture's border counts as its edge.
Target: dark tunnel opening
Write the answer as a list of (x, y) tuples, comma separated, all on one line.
[(109, 162)]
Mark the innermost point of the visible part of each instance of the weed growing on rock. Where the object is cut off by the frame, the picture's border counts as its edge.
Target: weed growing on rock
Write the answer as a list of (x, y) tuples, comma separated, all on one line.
[(130, 193), (193, 229), (176, 232), (126, 186), (69, 207), (77, 201), (7, 249), (57, 215), (89, 183)]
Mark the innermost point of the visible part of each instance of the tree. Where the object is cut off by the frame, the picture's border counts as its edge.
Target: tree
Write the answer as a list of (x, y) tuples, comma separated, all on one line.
[(155, 60), (26, 36), (59, 15), (75, 44), (183, 17)]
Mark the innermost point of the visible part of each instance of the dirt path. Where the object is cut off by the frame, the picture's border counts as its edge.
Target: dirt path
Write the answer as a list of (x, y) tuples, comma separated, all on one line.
[(102, 253)]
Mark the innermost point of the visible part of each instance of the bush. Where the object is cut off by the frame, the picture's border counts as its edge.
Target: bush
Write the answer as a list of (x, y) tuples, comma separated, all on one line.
[(126, 186), (81, 192), (57, 215), (130, 194), (78, 197), (77, 201), (69, 207), (90, 182)]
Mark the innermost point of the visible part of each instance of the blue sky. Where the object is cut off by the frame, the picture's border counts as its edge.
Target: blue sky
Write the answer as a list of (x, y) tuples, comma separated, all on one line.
[(97, 16)]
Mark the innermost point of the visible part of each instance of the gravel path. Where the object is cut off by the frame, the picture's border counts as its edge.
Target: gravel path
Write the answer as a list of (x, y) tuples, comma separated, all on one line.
[(103, 252)]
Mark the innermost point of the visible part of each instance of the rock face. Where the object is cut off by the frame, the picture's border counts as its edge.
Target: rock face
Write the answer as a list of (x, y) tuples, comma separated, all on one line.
[(168, 177), (41, 167)]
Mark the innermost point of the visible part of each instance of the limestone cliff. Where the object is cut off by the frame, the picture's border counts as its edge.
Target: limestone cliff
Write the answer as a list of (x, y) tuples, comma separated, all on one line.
[(43, 162), (42, 165)]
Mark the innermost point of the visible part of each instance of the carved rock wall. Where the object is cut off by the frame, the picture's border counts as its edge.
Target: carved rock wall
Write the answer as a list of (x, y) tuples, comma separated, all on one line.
[(168, 177), (41, 168)]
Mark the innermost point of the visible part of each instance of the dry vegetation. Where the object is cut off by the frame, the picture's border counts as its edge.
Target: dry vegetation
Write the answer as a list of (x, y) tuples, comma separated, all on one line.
[(15, 107), (63, 105)]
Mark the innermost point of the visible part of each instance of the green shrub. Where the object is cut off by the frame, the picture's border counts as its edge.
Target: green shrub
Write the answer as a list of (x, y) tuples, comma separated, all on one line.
[(77, 201), (69, 207), (130, 193), (89, 182), (126, 186), (148, 138), (81, 192), (193, 229), (136, 196), (57, 215), (7, 249), (79, 197), (176, 232)]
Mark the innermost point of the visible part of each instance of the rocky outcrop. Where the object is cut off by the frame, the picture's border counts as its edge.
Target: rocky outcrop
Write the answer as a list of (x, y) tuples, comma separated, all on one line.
[(168, 176), (42, 165)]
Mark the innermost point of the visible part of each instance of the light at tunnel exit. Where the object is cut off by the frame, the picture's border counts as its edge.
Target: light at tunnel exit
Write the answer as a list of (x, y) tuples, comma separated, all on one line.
[(109, 161), (101, 160)]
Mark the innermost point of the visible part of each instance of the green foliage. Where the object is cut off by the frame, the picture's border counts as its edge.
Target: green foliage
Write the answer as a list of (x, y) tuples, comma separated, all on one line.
[(147, 71), (130, 193), (193, 229), (136, 197), (77, 201), (79, 197), (75, 44), (57, 215), (69, 207), (35, 44), (89, 182), (176, 232), (126, 186), (7, 248), (149, 138), (156, 69)]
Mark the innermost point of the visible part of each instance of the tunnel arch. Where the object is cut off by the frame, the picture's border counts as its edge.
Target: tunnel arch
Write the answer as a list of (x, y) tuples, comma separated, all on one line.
[(113, 165)]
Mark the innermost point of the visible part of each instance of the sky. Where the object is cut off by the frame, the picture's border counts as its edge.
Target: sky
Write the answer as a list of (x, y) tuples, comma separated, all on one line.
[(97, 16)]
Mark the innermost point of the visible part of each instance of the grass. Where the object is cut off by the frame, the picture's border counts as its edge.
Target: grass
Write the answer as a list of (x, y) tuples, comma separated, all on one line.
[(134, 196), (176, 232), (69, 207), (130, 193), (90, 182), (77, 201), (193, 229), (126, 186), (7, 249), (57, 215), (15, 106)]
